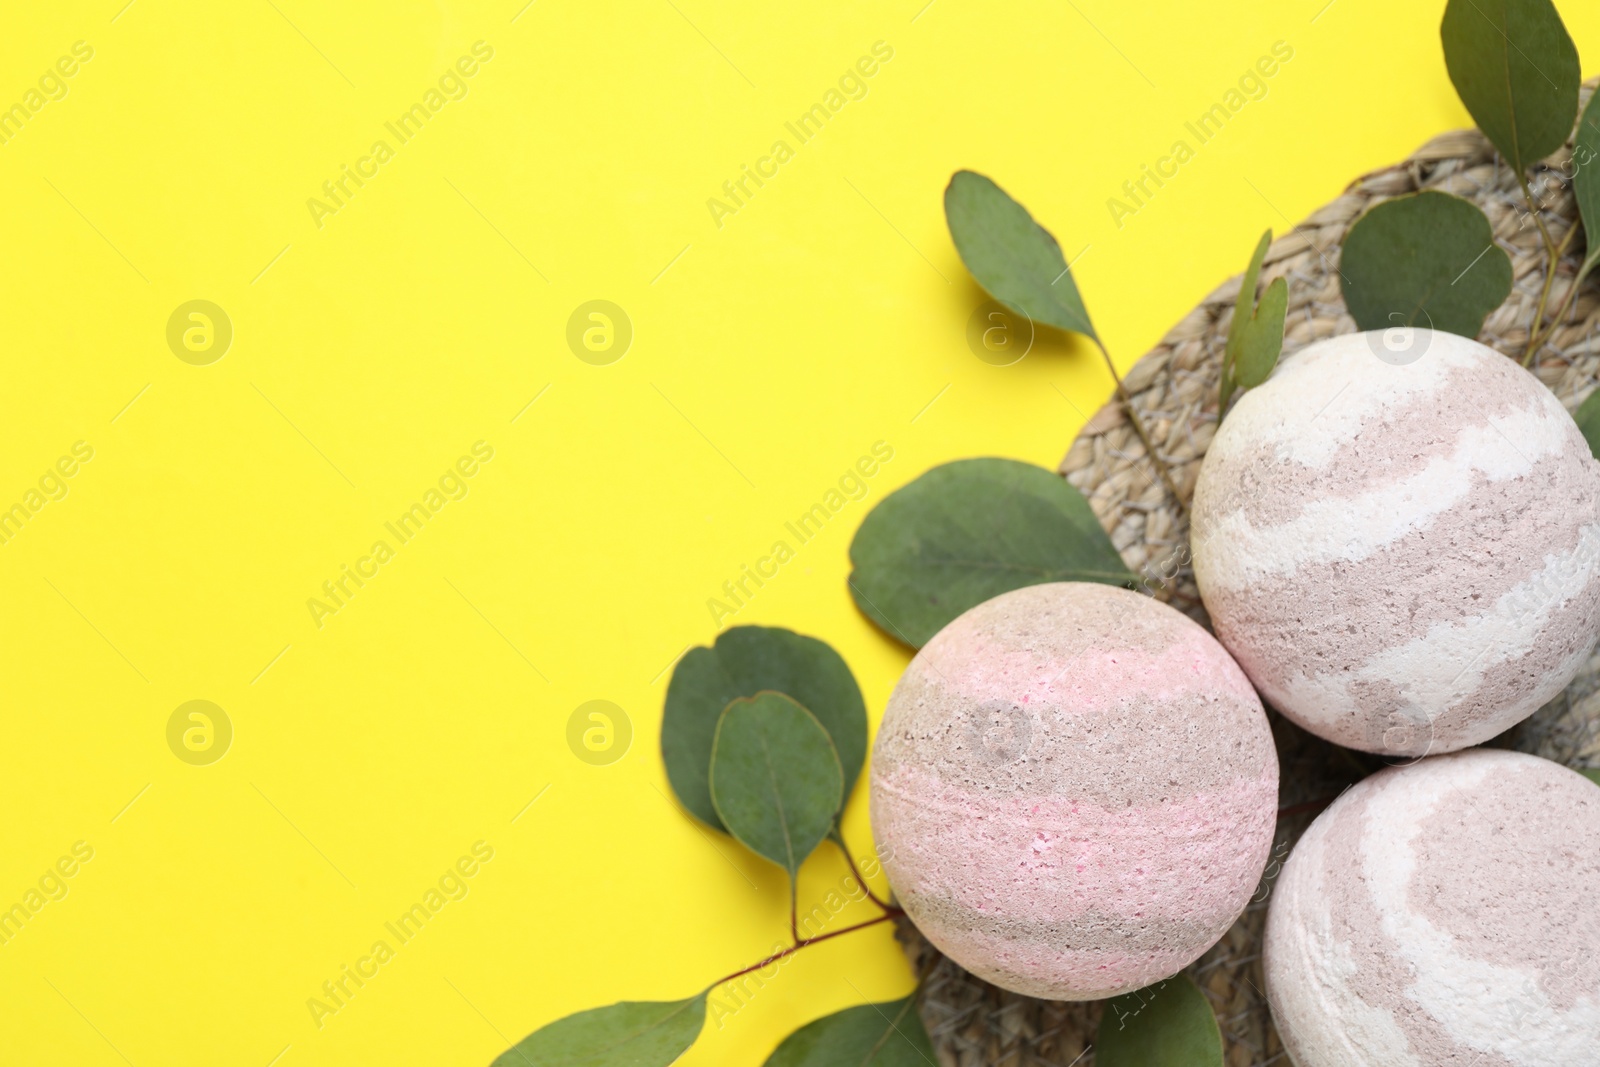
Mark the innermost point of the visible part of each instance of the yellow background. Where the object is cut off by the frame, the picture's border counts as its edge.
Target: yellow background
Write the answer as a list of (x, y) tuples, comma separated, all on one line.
[(371, 352)]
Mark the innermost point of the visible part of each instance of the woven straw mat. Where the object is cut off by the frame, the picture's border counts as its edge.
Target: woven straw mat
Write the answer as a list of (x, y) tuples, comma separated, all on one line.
[(1174, 388)]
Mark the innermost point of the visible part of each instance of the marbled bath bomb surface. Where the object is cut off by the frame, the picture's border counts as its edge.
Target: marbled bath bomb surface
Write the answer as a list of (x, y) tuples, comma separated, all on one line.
[(1403, 556), (1445, 912), (1074, 791)]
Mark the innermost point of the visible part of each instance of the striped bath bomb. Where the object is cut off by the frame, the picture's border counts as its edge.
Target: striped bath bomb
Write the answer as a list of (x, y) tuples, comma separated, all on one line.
[(1074, 791), (1398, 538), (1443, 913)]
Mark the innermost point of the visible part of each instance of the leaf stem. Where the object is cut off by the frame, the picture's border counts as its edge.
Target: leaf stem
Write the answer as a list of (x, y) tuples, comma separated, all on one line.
[(1527, 195), (1538, 339), (799, 944), (838, 839), (1139, 428), (1553, 257)]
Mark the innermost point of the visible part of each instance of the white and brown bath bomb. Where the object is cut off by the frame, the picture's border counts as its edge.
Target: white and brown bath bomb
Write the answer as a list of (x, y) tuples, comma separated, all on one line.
[(1403, 556), (1443, 912), (1074, 791)]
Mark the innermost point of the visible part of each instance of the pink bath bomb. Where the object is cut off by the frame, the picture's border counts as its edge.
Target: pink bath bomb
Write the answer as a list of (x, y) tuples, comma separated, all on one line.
[(1074, 791), (1443, 912), (1398, 538)]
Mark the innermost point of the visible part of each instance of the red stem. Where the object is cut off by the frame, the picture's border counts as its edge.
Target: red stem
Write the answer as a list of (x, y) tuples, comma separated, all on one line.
[(851, 860), (892, 912), (798, 945)]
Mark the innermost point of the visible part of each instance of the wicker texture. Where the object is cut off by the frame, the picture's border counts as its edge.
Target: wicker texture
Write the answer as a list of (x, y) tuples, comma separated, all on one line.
[(1174, 387)]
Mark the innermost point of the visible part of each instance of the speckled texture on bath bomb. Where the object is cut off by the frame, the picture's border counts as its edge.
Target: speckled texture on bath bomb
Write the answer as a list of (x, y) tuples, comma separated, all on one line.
[(1445, 912), (1074, 790), (1404, 559)]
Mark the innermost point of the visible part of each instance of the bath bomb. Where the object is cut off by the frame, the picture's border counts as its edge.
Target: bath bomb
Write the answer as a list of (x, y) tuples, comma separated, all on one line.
[(1074, 791), (1398, 538), (1443, 912)]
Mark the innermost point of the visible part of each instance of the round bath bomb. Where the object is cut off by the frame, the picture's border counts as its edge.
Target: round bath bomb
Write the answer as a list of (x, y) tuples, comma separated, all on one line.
[(1398, 538), (1074, 791), (1443, 913)]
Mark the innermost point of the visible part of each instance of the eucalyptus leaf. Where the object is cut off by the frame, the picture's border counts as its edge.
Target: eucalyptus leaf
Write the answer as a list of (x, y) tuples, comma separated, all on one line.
[(1243, 307), (628, 1034), (1516, 70), (744, 661), (1246, 301), (1588, 419), (1012, 256), (871, 1035), (1261, 339), (1586, 182), (1169, 1024), (1426, 259), (775, 778), (968, 531)]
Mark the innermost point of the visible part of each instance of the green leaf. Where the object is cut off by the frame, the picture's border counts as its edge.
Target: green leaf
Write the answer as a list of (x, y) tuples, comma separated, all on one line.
[(1591, 773), (775, 778), (1255, 336), (968, 531), (1516, 70), (1262, 337), (1012, 256), (629, 1034), (871, 1035), (1586, 182), (1169, 1024), (744, 661), (1427, 259), (1588, 419), (1247, 295), (1243, 308)]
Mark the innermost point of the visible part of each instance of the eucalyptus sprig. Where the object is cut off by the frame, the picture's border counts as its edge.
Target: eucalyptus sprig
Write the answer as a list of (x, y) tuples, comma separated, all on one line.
[(1516, 69), (1430, 258), (1586, 191), (763, 736), (1020, 263)]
